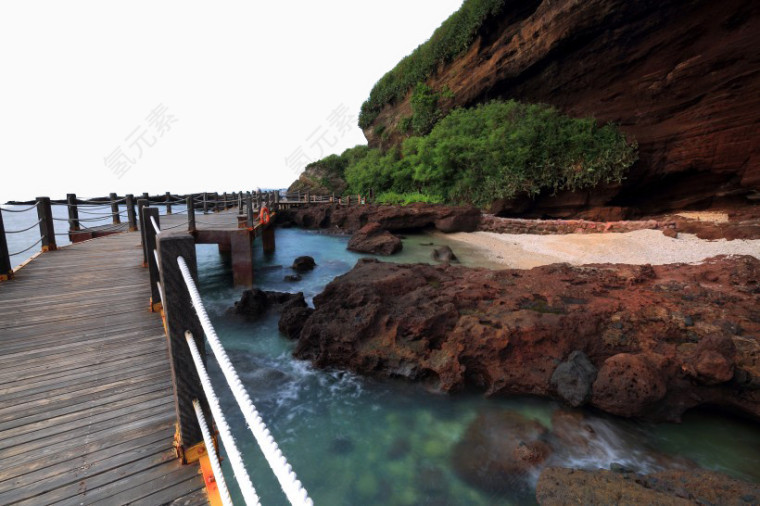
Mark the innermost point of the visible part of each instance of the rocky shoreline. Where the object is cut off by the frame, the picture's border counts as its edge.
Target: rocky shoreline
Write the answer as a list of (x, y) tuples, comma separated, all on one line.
[(635, 341)]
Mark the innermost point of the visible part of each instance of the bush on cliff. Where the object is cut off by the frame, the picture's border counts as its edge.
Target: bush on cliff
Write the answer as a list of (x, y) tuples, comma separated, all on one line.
[(495, 151), (449, 40)]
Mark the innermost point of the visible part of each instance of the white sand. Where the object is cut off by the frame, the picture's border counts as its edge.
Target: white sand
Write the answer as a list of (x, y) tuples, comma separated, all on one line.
[(525, 251)]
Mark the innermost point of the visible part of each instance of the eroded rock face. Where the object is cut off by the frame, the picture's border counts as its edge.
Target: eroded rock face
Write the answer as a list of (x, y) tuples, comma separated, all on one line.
[(660, 337), (375, 240), (347, 219), (558, 486), (574, 378), (681, 77)]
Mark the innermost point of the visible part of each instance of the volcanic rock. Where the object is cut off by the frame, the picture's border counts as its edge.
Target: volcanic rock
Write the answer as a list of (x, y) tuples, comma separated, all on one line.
[(292, 320), (373, 239), (255, 303), (680, 77), (444, 254), (349, 219), (500, 450), (304, 264), (506, 332), (558, 486), (572, 379)]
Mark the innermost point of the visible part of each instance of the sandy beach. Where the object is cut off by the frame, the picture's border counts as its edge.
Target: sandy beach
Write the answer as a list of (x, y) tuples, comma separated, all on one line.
[(524, 251)]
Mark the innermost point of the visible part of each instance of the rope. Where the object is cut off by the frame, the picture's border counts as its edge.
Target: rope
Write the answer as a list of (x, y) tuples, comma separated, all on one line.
[(289, 482), (21, 210), (25, 230), (97, 214), (246, 487), (211, 449), (155, 225), (158, 264), (82, 219), (175, 226), (160, 291), (27, 249)]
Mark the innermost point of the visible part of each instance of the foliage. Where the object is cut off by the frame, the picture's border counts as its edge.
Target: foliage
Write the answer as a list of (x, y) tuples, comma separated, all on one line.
[(497, 150), (426, 112), (404, 199), (453, 37)]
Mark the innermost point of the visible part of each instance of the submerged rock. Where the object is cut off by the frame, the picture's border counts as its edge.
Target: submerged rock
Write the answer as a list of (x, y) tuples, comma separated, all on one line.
[(292, 278), (508, 332), (500, 450), (304, 264), (255, 303), (292, 320), (444, 254), (375, 240)]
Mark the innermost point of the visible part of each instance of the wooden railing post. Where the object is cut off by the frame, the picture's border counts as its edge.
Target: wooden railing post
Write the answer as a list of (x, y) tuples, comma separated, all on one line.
[(205, 203), (190, 214), (180, 318), (249, 211), (149, 235), (131, 216), (240, 203), (71, 204), (142, 204), (6, 271), (224, 201), (115, 209), (168, 203), (47, 229)]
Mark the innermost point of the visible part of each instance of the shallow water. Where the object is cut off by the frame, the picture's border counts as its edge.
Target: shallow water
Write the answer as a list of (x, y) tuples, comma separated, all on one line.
[(353, 440)]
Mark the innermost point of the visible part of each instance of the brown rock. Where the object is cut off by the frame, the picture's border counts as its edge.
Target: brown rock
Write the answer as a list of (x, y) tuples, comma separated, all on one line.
[(500, 450), (558, 486), (506, 332), (373, 239), (674, 75), (628, 385)]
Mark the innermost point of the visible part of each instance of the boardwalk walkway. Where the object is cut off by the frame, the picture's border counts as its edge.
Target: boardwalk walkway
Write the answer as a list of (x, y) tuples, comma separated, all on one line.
[(86, 404)]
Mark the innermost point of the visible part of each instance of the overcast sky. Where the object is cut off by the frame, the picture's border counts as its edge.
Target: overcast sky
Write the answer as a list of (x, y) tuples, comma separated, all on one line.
[(188, 96)]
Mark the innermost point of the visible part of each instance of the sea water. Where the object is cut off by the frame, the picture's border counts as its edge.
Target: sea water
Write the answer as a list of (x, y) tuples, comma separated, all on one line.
[(360, 441)]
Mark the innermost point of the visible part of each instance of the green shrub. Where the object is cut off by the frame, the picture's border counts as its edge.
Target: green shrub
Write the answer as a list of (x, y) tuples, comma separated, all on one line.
[(453, 37), (498, 150), (404, 199)]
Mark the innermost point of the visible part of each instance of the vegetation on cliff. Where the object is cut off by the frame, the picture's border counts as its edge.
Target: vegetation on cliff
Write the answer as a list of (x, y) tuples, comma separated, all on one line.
[(449, 40), (494, 151)]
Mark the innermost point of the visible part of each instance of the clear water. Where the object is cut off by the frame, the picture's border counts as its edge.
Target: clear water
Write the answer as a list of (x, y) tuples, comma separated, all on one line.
[(359, 441)]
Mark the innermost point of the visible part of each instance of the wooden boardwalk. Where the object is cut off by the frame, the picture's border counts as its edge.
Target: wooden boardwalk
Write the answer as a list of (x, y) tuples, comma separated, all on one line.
[(86, 404)]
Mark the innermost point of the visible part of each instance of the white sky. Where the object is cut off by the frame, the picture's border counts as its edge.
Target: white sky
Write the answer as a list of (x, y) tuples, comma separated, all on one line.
[(247, 84)]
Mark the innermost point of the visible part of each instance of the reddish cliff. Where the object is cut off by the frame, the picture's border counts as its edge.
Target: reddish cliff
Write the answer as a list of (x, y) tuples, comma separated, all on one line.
[(681, 77)]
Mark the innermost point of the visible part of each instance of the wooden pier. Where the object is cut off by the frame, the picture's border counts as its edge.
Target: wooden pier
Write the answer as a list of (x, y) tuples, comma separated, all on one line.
[(92, 400)]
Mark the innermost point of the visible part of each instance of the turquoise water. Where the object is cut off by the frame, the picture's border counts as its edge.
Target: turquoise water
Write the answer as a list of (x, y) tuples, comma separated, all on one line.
[(359, 441)]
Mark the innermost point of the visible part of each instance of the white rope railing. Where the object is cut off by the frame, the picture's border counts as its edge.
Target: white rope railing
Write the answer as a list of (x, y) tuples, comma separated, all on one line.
[(155, 225), (294, 490), (224, 492), (236, 460)]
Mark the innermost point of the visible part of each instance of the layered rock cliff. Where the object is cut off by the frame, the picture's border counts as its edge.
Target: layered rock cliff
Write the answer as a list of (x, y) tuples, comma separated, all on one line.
[(682, 77)]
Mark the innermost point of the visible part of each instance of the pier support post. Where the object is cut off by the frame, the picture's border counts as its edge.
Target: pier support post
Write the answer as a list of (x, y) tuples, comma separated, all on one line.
[(180, 318), (190, 214), (267, 239), (131, 216), (47, 229), (115, 209), (168, 203), (71, 204), (241, 247), (149, 236), (6, 271)]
